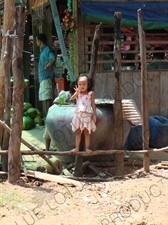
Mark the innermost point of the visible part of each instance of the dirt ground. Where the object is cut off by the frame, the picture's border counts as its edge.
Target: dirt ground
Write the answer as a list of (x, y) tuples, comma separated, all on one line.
[(138, 198)]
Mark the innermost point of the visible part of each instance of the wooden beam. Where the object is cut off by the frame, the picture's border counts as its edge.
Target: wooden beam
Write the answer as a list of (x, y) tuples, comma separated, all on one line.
[(97, 152), (144, 93), (85, 154)]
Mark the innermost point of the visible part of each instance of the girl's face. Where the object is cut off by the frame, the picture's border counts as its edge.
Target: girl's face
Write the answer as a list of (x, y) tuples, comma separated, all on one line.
[(83, 84)]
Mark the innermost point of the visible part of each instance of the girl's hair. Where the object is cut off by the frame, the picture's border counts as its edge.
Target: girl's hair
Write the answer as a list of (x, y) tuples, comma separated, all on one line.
[(90, 81)]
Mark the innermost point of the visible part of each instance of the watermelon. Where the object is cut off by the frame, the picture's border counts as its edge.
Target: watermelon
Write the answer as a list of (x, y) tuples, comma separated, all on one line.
[(26, 106), (38, 120), (28, 123), (32, 112), (38, 112)]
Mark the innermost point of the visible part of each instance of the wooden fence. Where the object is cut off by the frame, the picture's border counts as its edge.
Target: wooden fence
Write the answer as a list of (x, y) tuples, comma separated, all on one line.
[(131, 89)]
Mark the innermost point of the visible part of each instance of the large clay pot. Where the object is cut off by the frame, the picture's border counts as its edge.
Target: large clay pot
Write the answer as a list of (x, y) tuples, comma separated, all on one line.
[(58, 122)]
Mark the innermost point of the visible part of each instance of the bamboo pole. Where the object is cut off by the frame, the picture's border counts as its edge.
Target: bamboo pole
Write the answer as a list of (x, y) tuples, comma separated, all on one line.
[(144, 93), (18, 97)]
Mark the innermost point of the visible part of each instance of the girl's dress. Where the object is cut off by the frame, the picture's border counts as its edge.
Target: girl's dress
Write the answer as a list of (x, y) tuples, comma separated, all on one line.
[(83, 114)]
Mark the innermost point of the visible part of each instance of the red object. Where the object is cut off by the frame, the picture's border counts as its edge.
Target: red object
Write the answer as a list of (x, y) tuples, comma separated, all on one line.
[(61, 84)]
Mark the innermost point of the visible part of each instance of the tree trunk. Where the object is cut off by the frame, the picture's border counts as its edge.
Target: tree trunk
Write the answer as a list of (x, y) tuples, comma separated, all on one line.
[(18, 97), (9, 7)]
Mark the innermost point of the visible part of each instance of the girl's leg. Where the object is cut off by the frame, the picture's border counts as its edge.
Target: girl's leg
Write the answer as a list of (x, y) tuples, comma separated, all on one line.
[(87, 140), (78, 140)]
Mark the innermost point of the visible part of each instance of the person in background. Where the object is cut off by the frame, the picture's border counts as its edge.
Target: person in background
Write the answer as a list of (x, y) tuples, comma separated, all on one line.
[(66, 94), (46, 66), (158, 56), (85, 113)]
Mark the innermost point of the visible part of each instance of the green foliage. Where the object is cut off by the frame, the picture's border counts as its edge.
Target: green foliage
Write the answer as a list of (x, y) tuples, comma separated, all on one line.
[(71, 43)]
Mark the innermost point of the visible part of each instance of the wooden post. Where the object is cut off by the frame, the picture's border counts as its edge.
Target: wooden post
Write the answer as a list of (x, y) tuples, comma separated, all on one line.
[(79, 159), (95, 46), (7, 66), (8, 24), (18, 97), (118, 129), (144, 95)]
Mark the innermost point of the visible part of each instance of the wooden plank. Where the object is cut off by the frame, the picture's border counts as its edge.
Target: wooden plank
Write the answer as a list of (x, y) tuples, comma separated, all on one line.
[(53, 178), (164, 163), (159, 166)]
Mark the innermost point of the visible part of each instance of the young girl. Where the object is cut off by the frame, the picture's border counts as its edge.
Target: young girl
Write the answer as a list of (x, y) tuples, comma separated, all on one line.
[(85, 113)]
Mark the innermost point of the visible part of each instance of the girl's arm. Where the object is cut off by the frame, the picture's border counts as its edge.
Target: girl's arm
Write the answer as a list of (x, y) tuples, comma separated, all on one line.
[(75, 95), (93, 106)]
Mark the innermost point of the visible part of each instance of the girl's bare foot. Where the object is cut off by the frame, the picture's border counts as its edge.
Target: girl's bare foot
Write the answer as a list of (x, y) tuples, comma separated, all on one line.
[(88, 150), (74, 150)]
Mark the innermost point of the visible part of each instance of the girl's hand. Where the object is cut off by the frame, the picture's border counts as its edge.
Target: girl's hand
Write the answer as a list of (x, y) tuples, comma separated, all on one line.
[(77, 90), (75, 95), (94, 118)]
